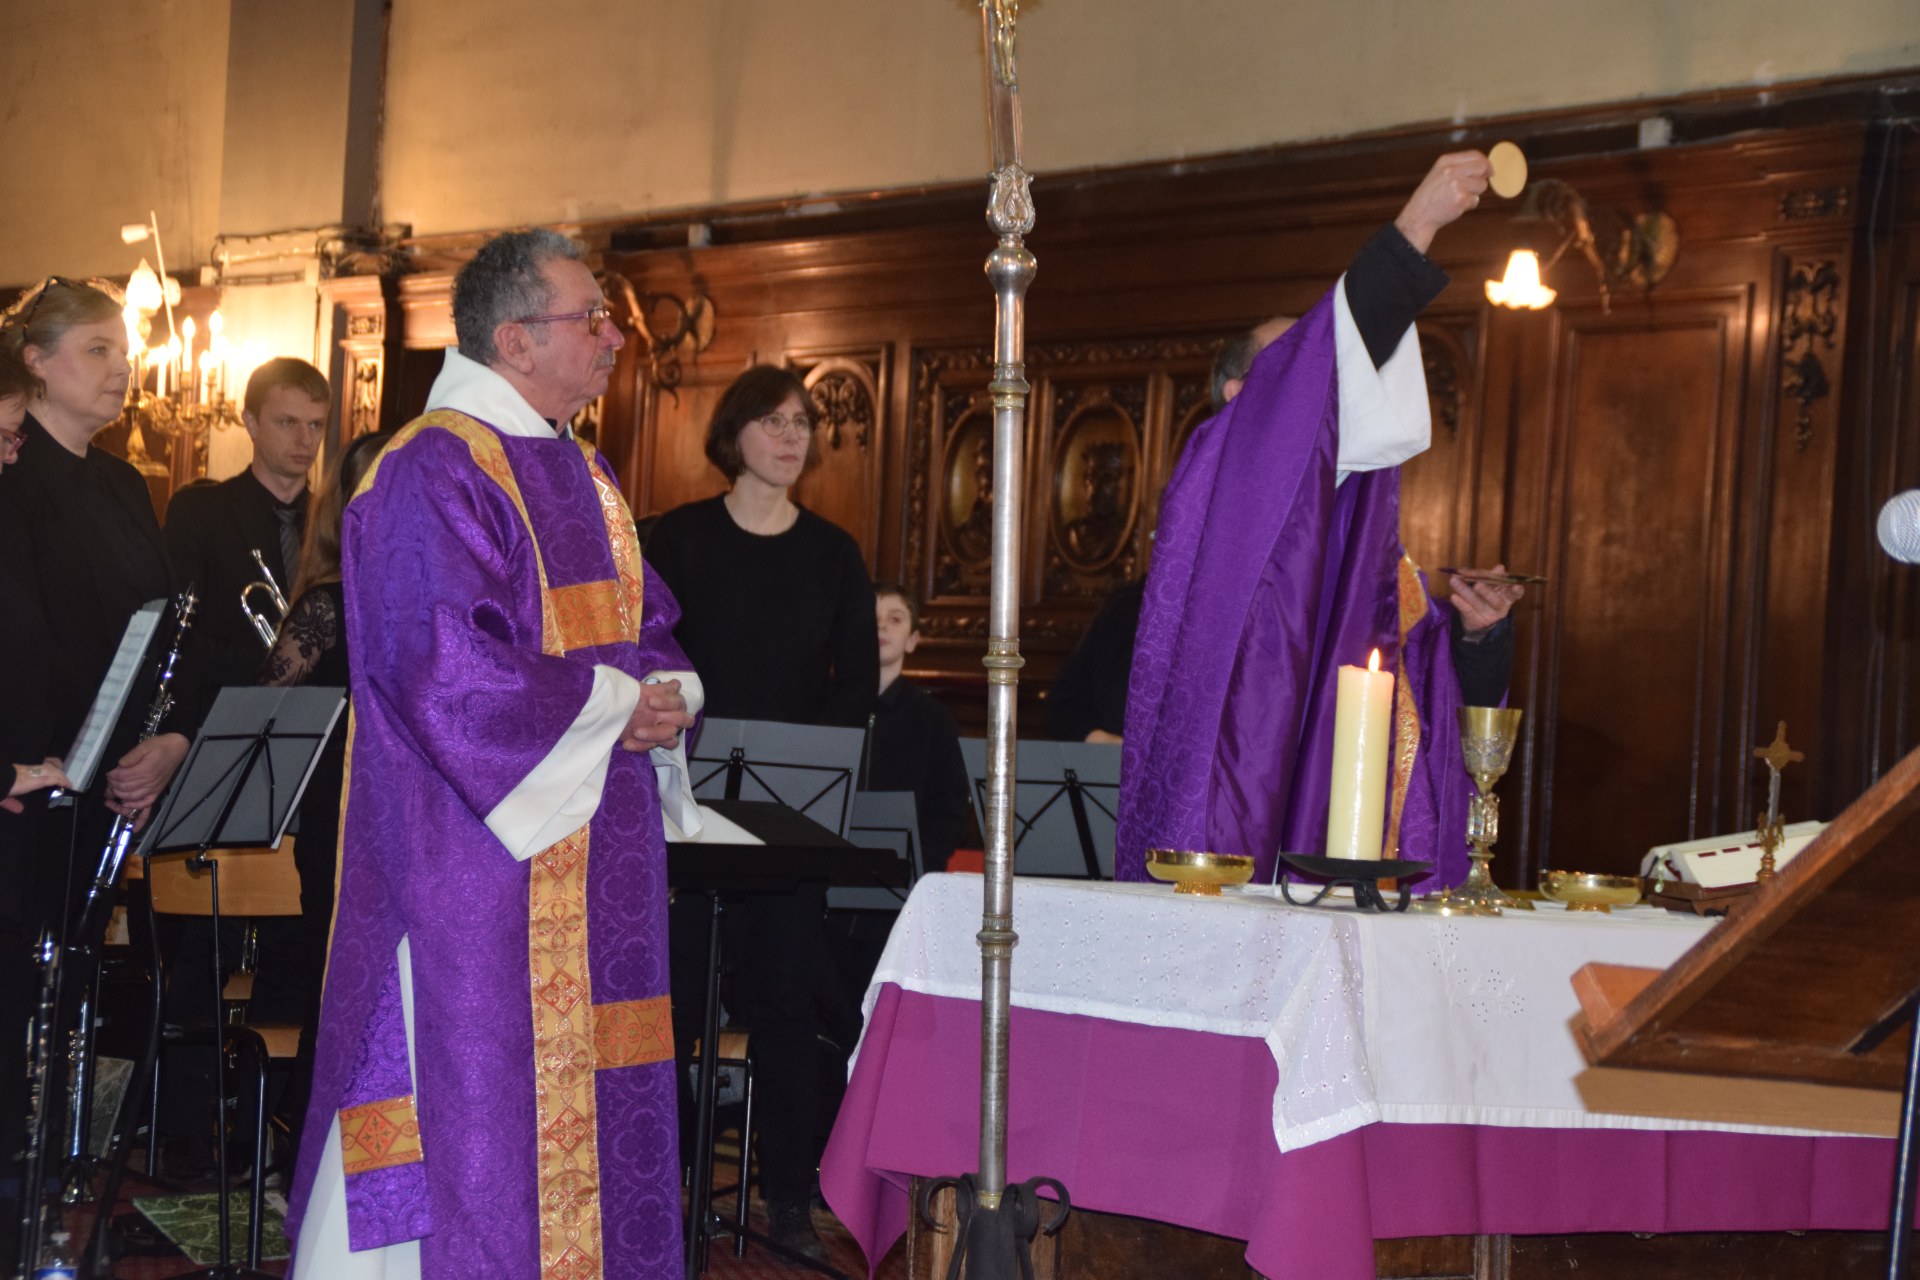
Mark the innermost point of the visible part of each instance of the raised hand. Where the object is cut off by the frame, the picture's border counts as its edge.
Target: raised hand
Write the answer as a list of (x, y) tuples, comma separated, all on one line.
[(1451, 187)]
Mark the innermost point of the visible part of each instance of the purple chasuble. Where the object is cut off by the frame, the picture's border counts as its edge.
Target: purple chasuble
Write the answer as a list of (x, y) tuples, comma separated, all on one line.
[(1266, 578), (487, 577)]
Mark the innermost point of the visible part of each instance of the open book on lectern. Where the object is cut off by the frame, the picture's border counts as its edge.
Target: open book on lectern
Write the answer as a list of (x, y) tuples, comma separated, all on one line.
[(1066, 799), (808, 768)]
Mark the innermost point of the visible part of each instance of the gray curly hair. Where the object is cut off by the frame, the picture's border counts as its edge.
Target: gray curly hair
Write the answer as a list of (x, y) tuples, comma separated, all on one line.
[(503, 283)]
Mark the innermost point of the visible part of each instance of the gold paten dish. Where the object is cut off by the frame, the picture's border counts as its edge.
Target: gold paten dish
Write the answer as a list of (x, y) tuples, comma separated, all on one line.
[(1192, 872), (1588, 891)]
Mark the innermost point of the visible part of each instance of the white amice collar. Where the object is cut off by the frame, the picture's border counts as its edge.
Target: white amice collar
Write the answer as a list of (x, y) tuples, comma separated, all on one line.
[(469, 387)]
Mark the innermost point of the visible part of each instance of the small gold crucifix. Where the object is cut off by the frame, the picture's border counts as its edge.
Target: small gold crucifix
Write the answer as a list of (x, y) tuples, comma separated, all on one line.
[(1771, 831)]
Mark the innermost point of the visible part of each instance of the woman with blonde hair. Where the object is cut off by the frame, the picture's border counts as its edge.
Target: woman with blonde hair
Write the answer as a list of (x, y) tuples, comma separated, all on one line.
[(80, 551), (82, 519)]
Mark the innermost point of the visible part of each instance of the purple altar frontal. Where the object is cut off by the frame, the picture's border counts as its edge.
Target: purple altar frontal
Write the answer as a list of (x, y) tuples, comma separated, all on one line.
[(1174, 1124)]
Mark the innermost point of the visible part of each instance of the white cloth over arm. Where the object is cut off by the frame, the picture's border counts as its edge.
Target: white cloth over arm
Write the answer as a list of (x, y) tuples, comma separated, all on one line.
[(1384, 415)]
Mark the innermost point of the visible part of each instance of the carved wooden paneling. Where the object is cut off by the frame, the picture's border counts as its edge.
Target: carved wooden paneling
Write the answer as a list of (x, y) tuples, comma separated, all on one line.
[(1436, 487), (1809, 328), (363, 337), (1103, 419), (848, 389)]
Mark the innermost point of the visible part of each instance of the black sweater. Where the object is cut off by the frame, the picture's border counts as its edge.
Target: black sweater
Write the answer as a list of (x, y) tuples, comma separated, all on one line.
[(779, 627), (916, 748)]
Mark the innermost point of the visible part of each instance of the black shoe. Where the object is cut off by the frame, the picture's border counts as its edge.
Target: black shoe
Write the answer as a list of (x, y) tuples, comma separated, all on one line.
[(790, 1226)]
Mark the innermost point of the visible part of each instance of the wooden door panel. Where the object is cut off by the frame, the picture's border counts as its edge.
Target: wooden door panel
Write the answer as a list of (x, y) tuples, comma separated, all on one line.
[(1638, 616), (678, 470)]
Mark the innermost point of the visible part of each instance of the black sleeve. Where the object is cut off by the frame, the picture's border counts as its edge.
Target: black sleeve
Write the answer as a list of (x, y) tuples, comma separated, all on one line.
[(26, 651), (1091, 690), (1388, 285), (855, 681), (1485, 666)]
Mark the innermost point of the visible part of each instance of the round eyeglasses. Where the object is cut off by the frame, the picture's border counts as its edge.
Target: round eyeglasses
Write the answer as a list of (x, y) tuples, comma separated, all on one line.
[(776, 426)]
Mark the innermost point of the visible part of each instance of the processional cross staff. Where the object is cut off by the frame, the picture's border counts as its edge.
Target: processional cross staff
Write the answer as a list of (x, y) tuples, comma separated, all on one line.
[(997, 1222)]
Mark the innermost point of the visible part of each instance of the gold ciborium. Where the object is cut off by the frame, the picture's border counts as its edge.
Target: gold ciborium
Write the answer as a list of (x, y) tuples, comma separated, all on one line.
[(1486, 739), (1589, 891), (1190, 871)]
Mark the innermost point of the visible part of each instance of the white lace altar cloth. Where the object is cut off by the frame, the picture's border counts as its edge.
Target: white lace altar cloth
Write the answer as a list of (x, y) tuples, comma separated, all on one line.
[(1406, 1019)]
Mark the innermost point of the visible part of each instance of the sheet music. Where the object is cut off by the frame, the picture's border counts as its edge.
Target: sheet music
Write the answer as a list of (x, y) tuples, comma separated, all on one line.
[(84, 757)]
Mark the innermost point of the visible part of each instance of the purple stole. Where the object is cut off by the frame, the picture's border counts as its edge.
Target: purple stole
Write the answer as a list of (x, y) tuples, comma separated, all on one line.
[(1265, 579), (486, 575)]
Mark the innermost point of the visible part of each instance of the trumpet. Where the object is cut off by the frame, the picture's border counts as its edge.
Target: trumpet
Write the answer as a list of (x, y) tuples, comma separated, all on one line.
[(263, 627)]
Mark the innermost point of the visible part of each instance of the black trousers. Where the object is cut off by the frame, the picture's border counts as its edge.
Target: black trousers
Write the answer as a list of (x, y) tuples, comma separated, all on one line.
[(774, 944)]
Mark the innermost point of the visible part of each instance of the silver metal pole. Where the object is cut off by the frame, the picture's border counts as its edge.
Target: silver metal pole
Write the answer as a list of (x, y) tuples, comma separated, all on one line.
[(1010, 270)]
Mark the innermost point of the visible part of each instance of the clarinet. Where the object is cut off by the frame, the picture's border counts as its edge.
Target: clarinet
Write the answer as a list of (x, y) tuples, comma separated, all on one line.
[(53, 961)]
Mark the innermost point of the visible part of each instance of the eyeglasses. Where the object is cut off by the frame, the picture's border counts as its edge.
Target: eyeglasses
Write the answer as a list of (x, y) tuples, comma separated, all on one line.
[(776, 426), (52, 283), (595, 317)]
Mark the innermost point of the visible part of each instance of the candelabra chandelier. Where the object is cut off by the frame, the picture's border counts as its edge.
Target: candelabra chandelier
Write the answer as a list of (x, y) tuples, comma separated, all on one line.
[(181, 387)]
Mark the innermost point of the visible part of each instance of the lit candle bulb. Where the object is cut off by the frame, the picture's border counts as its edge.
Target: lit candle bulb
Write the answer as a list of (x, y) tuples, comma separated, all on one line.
[(1362, 730)]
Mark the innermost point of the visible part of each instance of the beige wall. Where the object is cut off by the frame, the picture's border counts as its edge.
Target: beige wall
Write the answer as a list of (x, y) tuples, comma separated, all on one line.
[(108, 108), (500, 113), (672, 103)]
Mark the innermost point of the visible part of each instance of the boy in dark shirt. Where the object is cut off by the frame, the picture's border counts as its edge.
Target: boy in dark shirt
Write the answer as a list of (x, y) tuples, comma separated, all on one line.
[(915, 746)]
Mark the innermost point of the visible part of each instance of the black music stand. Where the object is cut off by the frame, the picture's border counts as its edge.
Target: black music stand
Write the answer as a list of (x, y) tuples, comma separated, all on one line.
[(1071, 840), (808, 768), (238, 789), (788, 849), (887, 820)]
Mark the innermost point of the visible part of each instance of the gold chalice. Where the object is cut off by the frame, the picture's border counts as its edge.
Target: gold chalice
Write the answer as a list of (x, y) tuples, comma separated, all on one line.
[(1487, 735), (1190, 871)]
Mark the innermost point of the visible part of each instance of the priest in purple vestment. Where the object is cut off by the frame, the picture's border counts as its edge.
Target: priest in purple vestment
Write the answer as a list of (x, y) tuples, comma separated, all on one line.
[(493, 1094), (1278, 559)]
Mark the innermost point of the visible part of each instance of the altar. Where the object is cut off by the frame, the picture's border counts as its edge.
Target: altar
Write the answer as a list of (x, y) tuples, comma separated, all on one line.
[(1308, 1081)]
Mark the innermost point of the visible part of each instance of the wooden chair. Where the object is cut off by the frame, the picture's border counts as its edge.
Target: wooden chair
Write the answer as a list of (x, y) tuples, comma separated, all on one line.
[(254, 883)]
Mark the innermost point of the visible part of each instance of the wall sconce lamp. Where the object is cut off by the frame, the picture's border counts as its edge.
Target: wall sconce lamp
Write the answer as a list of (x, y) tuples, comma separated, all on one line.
[(1637, 252)]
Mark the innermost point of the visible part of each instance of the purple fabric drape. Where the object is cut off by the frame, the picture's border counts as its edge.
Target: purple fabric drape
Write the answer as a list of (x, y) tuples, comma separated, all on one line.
[(1111, 1109), (1265, 579)]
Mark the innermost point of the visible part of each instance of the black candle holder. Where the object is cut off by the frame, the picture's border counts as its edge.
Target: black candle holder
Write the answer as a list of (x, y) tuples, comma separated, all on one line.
[(1361, 875)]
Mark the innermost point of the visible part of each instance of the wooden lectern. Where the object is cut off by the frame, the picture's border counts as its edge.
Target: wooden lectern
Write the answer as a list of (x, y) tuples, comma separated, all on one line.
[(1809, 983)]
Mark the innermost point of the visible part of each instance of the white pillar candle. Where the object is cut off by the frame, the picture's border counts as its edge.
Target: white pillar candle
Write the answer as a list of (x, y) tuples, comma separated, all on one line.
[(1362, 730)]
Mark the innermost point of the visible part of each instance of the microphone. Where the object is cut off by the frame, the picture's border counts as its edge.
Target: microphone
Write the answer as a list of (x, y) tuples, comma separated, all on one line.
[(1899, 527)]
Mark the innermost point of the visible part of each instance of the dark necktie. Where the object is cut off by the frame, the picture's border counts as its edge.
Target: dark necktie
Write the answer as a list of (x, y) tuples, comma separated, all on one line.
[(288, 514)]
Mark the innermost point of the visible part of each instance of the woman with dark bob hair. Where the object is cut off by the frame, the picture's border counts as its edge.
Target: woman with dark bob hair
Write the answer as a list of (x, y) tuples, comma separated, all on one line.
[(776, 613), (775, 602)]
